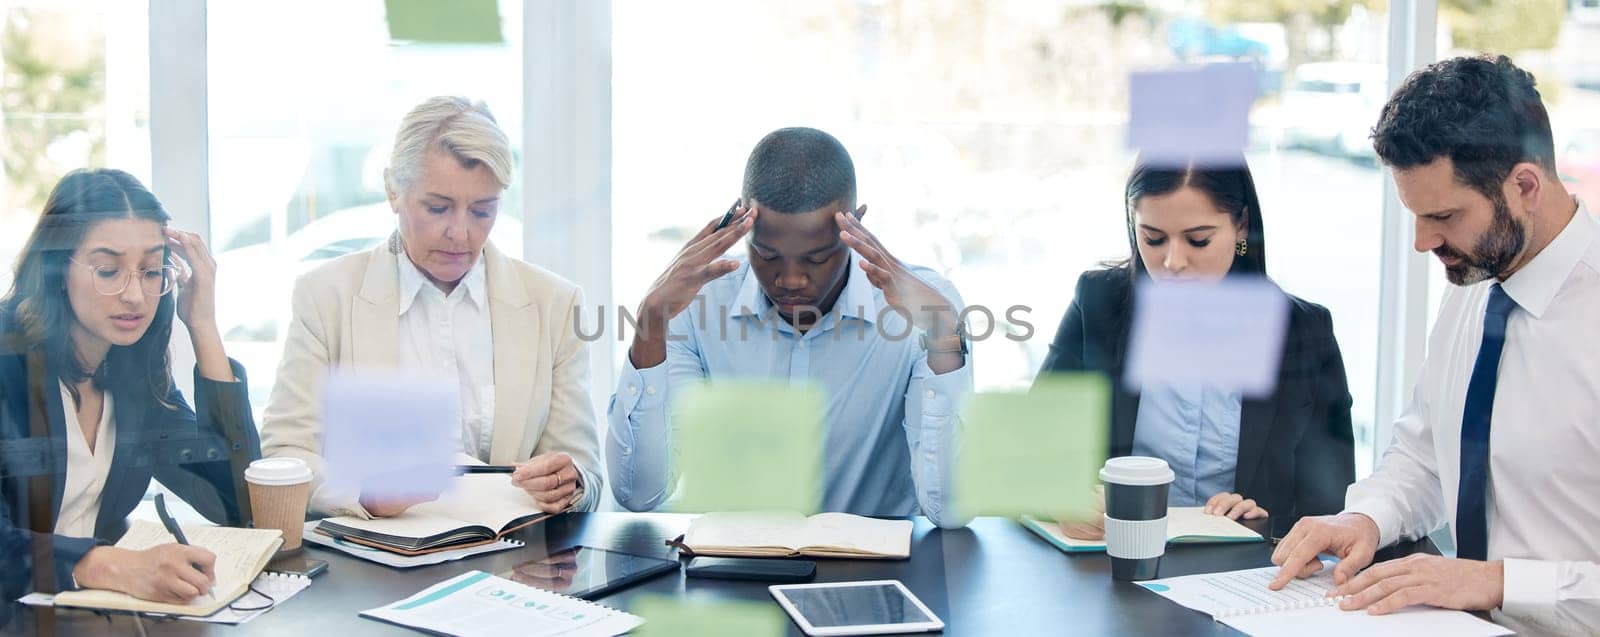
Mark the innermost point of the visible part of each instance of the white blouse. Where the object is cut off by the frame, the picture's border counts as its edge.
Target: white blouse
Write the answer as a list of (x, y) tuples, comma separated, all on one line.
[(452, 337), (86, 470)]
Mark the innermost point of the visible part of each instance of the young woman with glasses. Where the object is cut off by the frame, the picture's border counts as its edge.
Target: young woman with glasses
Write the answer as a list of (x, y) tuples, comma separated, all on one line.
[(89, 412)]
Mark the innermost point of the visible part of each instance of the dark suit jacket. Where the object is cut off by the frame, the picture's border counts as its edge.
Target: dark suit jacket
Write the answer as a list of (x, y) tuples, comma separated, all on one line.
[(1296, 450), (201, 458)]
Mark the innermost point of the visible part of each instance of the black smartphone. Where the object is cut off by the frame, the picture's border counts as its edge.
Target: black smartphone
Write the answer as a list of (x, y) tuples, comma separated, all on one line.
[(762, 570), (297, 564), (728, 216)]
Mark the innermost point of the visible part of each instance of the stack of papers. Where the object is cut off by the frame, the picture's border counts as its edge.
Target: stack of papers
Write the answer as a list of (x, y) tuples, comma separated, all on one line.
[(477, 603), (1242, 600)]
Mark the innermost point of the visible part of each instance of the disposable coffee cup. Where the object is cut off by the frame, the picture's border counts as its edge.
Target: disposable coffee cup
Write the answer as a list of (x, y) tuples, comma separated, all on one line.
[(279, 489), (1136, 515)]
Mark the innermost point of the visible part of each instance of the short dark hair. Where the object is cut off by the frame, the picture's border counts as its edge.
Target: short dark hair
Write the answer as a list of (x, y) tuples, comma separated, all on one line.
[(799, 170), (1482, 112)]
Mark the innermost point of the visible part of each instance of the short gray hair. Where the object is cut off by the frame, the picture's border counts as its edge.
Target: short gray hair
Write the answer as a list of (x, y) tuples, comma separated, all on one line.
[(463, 127)]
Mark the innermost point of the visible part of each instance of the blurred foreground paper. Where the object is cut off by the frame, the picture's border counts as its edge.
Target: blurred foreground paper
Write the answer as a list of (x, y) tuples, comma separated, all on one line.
[(389, 433), (748, 446), (1200, 114), (1227, 335), (664, 615), (1035, 453)]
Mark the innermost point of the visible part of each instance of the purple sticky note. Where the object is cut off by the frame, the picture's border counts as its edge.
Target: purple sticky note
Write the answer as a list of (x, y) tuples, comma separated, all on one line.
[(390, 434), (1226, 335), (1200, 114)]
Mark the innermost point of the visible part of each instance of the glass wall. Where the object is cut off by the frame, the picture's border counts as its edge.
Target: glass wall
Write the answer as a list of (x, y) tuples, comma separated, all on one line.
[(305, 98), (989, 140), (74, 92), (1562, 50)]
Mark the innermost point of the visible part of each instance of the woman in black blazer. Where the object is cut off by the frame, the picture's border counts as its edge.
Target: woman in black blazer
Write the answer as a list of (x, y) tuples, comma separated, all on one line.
[(88, 409), (1294, 454)]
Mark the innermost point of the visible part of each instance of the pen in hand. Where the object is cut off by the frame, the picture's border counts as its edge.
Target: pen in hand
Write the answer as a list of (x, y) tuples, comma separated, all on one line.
[(177, 533)]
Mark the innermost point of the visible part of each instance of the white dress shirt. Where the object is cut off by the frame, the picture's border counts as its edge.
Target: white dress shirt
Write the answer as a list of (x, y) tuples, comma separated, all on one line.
[(86, 470), (1543, 491), (450, 336)]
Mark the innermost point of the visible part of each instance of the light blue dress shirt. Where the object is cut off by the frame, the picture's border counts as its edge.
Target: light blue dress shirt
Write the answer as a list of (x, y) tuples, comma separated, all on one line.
[(890, 422), (1196, 430)]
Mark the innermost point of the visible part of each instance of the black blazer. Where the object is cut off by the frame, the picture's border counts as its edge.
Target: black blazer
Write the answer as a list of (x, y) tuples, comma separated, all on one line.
[(1296, 450), (200, 458)]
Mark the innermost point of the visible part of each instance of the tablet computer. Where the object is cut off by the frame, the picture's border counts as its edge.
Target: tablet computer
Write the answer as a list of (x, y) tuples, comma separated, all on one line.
[(855, 608), (586, 572)]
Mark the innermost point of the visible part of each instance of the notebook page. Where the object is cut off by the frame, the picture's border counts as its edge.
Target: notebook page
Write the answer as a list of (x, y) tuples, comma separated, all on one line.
[(1182, 522), (782, 529), (488, 499), (240, 555), (856, 533), (1193, 521), (412, 523), (478, 499)]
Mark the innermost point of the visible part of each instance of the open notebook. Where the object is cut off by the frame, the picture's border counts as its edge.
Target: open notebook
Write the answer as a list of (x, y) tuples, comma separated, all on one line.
[(787, 534), (1185, 525), (241, 554), (1242, 600), (479, 508)]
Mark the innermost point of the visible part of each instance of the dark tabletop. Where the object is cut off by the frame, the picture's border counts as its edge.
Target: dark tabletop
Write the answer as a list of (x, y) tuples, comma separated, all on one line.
[(992, 578)]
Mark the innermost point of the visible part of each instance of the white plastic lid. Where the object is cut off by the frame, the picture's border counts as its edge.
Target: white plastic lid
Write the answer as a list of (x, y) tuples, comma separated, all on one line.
[(272, 472), (1136, 471)]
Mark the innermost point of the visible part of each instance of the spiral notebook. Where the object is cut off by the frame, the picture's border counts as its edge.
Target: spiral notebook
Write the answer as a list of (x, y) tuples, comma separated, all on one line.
[(1242, 600), (241, 555), (268, 591), (477, 604)]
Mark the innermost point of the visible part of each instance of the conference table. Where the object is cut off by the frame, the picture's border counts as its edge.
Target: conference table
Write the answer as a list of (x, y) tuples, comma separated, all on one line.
[(993, 578)]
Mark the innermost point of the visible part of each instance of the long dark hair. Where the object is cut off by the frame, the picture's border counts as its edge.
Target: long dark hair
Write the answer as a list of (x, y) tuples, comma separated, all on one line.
[(1227, 184), (1230, 188), (37, 313)]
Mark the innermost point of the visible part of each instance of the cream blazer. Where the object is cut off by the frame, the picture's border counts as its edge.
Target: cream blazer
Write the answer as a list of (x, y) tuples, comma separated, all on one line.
[(347, 314)]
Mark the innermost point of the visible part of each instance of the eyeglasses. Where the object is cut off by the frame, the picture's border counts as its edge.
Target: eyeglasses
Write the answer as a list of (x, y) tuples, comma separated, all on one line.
[(112, 280)]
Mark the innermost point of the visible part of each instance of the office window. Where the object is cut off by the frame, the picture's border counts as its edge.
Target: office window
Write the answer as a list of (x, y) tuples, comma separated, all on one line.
[(305, 98), (988, 141), (1562, 51), (73, 94)]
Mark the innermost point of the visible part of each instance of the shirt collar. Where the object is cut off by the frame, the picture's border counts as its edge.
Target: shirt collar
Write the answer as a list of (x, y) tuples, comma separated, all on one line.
[(1535, 285), (412, 283), (859, 299)]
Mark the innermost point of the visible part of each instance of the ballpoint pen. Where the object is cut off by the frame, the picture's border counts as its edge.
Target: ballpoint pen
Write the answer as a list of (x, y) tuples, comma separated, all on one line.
[(464, 469), (177, 533)]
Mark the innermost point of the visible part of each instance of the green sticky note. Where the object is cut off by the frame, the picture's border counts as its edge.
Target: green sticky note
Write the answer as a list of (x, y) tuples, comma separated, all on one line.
[(746, 446), (453, 22), (1035, 453), (665, 615)]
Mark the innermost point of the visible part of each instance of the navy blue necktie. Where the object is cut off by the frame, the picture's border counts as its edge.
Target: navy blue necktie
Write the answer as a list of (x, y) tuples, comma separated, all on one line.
[(1472, 516)]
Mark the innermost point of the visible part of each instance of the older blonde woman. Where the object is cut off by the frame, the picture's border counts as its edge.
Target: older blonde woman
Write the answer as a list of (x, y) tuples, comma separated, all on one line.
[(438, 296)]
